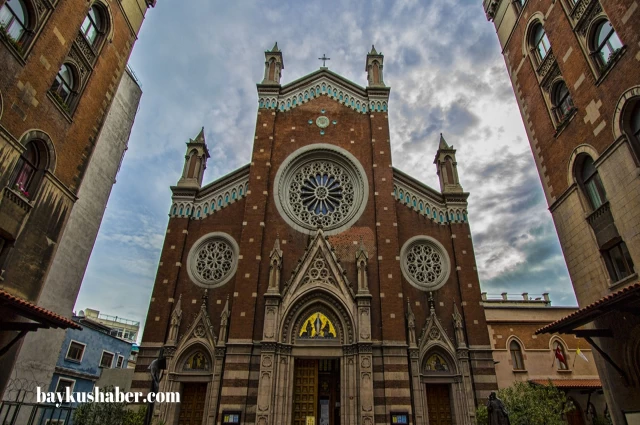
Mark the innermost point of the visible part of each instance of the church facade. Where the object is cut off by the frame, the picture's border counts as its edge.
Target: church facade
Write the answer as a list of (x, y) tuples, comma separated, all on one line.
[(318, 284)]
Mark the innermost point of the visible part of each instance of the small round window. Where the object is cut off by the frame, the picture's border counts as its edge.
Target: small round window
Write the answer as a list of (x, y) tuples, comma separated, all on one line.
[(213, 260), (425, 263)]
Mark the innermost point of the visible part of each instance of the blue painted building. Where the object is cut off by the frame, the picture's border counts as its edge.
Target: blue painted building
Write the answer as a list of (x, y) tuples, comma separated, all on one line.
[(85, 354)]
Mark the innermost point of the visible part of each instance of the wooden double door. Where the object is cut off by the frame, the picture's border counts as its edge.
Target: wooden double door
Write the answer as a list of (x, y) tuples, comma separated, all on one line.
[(193, 398), (316, 392), (439, 404)]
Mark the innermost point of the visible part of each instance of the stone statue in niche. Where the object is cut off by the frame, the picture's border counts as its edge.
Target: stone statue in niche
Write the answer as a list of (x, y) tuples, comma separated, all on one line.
[(497, 413)]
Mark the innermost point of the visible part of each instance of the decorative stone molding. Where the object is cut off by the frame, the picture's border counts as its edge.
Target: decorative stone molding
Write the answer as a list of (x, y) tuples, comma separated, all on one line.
[(583, 13), (213, 260), (546, 65), (426, 201), (211, 198), (323, 86), (85, 48), (618, 126), (492, 7), (321, 186), (550, 78)]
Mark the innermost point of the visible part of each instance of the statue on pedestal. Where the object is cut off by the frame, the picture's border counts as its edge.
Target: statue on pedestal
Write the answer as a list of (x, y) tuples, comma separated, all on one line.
[(497, 413)]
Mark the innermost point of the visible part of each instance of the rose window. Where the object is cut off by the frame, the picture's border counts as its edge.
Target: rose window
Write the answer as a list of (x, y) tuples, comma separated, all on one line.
[(212, 260), (320, 189), (424, 263)]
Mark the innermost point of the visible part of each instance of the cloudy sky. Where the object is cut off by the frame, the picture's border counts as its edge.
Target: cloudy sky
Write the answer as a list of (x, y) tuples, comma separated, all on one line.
[(199, 61)]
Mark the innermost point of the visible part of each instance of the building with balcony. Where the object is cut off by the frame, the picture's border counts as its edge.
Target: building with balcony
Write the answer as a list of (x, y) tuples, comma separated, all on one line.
[(67, 104), (574, 67)]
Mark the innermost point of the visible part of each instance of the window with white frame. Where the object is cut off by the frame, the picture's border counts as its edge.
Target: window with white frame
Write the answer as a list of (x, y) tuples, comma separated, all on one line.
[(75, 352), (107, 359), (120, 361), (63, 384)]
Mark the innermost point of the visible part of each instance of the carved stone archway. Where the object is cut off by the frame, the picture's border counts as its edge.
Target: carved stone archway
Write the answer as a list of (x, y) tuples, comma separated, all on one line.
[(318, 286)]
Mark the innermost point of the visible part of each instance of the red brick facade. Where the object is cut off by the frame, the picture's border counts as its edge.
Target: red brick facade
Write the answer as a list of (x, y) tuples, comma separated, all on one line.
[(379, 233)]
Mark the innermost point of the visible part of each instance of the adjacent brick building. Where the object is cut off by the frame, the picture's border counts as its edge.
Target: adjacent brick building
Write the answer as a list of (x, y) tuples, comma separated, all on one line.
[(319, 281), (575, 70), (61, 67)]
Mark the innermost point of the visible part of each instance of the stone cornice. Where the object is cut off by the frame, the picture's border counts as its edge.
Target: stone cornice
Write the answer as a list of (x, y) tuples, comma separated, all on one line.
[(427, 201), (198, 204), (323, 83)]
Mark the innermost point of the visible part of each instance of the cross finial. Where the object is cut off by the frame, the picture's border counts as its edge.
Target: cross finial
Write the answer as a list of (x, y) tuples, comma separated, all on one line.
[(324, 58)]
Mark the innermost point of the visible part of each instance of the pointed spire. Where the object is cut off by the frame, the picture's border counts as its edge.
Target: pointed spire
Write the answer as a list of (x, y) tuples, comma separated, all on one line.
[(177, 309), (273, 65), (443, 143), (362, 250), (200, 137), (457, 326), (410, 314), (276, 247), (447, 168), (373, 68), (432, 304), (195, 162), (205, 298), (225, 310), (457, 318), (174, 323)]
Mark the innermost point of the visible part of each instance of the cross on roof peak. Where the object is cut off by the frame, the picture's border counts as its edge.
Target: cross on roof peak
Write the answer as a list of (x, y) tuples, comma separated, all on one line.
[(324, 58)]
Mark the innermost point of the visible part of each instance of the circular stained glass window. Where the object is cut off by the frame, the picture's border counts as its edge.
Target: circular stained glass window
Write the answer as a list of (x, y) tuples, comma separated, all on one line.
[(321, 186), (424, 263), (213, 260)]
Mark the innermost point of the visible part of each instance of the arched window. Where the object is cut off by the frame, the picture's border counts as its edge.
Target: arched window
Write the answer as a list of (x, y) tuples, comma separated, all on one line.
[(562, 102), (64, 85), (25, 178), (14, 18), (540, 42), (605, 43), (93, 25), (560, 356), (591, 184), (516, 355)]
